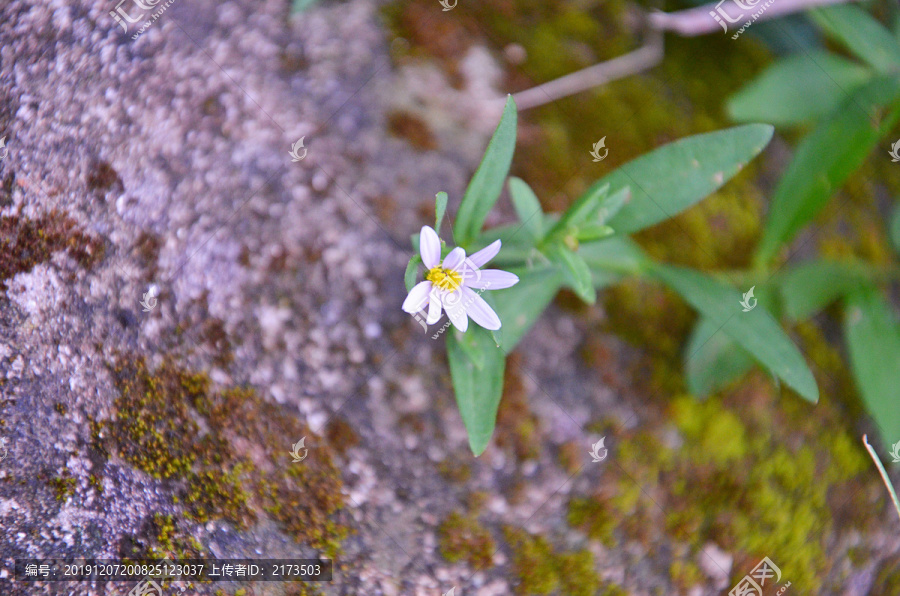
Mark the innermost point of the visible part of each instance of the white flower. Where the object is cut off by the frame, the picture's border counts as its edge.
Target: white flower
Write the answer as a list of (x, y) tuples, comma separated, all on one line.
[(449, 285)]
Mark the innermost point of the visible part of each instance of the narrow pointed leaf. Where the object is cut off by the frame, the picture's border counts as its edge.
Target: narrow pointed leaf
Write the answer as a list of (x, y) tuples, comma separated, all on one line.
[(527, 207), (895, 228), (485, 186), (496, 334), (799, 89), (412, 271), (593, 231), (670, 179), (612, 204), (825, 158), (810, 287), (755, 331), (618, 254), (713, 360), (580, 211), (520, 306), (440, 208), (861, 34), (576, 273), (478, 389), (873, 341)]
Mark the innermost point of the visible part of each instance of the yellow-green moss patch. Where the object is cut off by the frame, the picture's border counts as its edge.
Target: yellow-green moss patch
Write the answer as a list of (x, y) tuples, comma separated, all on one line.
[(171, 424), (463, 538)]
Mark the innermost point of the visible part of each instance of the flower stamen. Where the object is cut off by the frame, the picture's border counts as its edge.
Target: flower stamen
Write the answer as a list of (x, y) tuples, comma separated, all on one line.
[(445, 279)]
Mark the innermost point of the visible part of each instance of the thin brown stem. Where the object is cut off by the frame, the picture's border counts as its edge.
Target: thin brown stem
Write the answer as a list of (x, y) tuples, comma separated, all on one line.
[(687, 23)]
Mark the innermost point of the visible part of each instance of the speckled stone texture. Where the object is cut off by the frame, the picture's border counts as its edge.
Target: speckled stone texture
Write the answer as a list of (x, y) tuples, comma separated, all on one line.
[(179, 141), (172, 152)]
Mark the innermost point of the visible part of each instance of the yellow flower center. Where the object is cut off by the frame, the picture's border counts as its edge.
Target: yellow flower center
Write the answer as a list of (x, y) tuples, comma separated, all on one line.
[(445, 279)]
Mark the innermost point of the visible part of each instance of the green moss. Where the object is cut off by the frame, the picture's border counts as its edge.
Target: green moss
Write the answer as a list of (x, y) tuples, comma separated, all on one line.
[(156, 428), (541, 569), (685, 574), (163, 536), (214, 495), (462, 538), (63, 485), (532, 562), (718, 433), (595, 517), (60, 408), (576, 573), (733, 485), (94, 481)]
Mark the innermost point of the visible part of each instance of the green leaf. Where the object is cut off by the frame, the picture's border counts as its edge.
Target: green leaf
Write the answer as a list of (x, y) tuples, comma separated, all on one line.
[(470, 343), (593, 231), (713, 360), (861, 34), (670, 179), (873, 341), (895, 228), (618, 254), (810, 287), (824, 160), (755, 331), (478, 389), (528, 207), (485, 186), (520, 306), (576, 272), (496, 334), (412, 271), (579, 212), (612, 204), (798, 89), (440, 208)]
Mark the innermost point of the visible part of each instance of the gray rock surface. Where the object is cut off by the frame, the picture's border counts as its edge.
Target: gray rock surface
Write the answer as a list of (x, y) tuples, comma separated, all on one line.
[(179, 141), (172, 151)]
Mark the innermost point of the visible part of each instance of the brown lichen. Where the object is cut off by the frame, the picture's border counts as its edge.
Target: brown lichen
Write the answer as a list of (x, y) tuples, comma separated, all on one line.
[(407, 125), (25, 243)]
